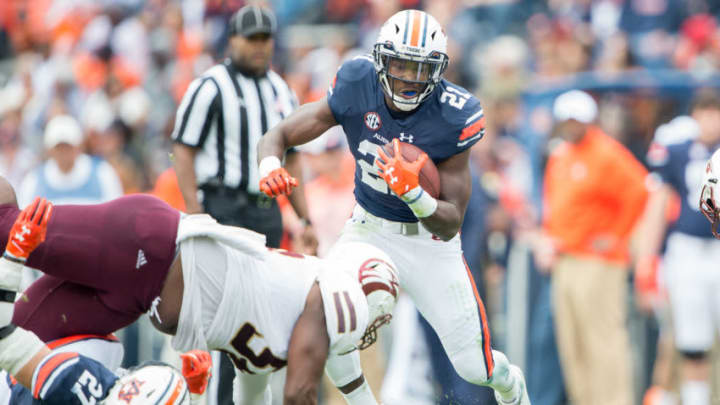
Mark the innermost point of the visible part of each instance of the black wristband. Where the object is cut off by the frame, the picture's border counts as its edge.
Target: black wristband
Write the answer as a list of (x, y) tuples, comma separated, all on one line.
[(5, 331), (7, 296), (13, 258)]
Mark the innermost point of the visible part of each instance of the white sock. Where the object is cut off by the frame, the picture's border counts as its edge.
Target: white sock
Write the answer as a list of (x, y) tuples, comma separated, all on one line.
[(361, 396), (17, 349), (10, 274), (503, 381), (695, 392)]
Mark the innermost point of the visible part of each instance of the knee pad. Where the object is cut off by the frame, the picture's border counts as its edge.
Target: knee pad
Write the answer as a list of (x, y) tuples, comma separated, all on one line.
[(470, 365), (693, 354)]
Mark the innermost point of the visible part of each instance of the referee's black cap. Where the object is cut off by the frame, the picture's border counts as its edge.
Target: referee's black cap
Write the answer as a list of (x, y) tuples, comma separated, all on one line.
[(251, 20)]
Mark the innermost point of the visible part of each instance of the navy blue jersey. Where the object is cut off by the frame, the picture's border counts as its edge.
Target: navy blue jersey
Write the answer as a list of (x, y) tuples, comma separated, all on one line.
[(448, 122), (682, 166), (65, 378)]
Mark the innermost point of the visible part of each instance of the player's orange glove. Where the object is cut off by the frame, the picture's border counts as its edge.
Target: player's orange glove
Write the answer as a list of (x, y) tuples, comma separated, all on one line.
[(278, 182), (401, 175), (197, 369), (29, 229)]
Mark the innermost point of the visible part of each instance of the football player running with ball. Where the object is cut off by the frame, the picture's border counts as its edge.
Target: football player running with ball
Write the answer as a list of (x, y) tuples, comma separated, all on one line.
[(398, 94)]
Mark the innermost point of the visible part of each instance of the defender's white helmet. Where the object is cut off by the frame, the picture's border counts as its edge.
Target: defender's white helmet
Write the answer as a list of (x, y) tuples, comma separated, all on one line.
[(411, 40), (150, 384), (378, 279), (710, 195)]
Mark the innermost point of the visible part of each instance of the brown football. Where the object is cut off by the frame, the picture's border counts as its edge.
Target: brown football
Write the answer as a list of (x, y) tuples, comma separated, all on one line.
[(429, 177)]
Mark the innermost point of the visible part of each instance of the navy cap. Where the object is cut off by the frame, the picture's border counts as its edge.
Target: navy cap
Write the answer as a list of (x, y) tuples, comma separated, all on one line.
[(251, 20)]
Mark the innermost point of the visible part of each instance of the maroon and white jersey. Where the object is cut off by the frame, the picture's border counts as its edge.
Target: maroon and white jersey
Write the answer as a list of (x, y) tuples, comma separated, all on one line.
[(245, 299)]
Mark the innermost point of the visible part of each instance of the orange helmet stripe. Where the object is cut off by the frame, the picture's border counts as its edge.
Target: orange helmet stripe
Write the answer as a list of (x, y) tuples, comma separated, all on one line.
[(176, 392), (415, 37)]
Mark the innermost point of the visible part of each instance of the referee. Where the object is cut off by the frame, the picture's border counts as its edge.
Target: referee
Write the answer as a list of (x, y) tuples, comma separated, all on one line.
[(219, 122)]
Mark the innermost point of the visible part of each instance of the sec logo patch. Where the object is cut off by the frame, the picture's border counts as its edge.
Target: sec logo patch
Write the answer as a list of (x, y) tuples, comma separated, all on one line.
[(372, 121)]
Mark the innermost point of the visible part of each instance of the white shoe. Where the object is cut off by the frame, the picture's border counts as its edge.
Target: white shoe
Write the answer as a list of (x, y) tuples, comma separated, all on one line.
[(522, 397)]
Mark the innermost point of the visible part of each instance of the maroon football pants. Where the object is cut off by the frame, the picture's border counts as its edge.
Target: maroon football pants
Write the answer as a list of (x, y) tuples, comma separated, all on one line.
[(104, 265)]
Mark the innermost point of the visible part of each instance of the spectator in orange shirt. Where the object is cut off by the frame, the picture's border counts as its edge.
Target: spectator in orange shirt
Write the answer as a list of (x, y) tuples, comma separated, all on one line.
[(167, 189), (594, 192)]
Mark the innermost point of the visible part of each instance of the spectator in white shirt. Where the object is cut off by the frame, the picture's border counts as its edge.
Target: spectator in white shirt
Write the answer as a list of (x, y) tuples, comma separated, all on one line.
[(69, 176)]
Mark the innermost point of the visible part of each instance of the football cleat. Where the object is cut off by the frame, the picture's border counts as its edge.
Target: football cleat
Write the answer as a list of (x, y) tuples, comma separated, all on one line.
[(522, 396)]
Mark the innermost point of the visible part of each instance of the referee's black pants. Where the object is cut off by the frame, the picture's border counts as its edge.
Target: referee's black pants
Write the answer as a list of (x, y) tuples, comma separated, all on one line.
[(255, 212)]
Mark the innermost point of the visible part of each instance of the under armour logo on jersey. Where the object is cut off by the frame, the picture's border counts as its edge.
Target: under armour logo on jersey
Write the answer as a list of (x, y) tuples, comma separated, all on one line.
[(372, 121), (406, 138), (141, 261)]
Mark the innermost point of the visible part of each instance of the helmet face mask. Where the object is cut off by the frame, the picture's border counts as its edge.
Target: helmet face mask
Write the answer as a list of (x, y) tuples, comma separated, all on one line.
[(408, 66), (370, 335), (708, 204)]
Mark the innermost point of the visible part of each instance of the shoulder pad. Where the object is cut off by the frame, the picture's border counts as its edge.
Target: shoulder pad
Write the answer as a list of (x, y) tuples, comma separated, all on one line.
[(353, 70), (463, 113), (69, 378), (357, 68), (349, 89)]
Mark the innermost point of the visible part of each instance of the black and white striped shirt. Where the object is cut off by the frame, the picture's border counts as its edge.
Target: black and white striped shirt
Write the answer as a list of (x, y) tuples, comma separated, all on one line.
[(224, 114)]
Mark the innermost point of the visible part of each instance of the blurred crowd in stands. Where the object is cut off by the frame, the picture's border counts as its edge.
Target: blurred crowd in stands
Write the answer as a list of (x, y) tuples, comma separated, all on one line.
[(120, 67)]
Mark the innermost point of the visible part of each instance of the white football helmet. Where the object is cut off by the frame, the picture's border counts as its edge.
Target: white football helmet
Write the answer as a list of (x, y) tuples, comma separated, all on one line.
[(415, 43), (154, 383), (378, 279), (709, 197)]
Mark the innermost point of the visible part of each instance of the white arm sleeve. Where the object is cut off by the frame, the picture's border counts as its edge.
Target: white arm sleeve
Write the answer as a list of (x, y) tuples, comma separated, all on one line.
[(251, 389)]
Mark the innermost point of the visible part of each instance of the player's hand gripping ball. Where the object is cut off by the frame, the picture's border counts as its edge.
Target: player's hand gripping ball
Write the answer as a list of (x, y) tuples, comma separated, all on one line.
[(197, 369), (404, 166), (400, 174), (29, 229)]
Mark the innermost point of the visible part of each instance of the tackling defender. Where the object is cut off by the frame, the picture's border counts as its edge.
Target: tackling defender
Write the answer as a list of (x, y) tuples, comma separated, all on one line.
[(399, 95), (65, 376), (222, 290)]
